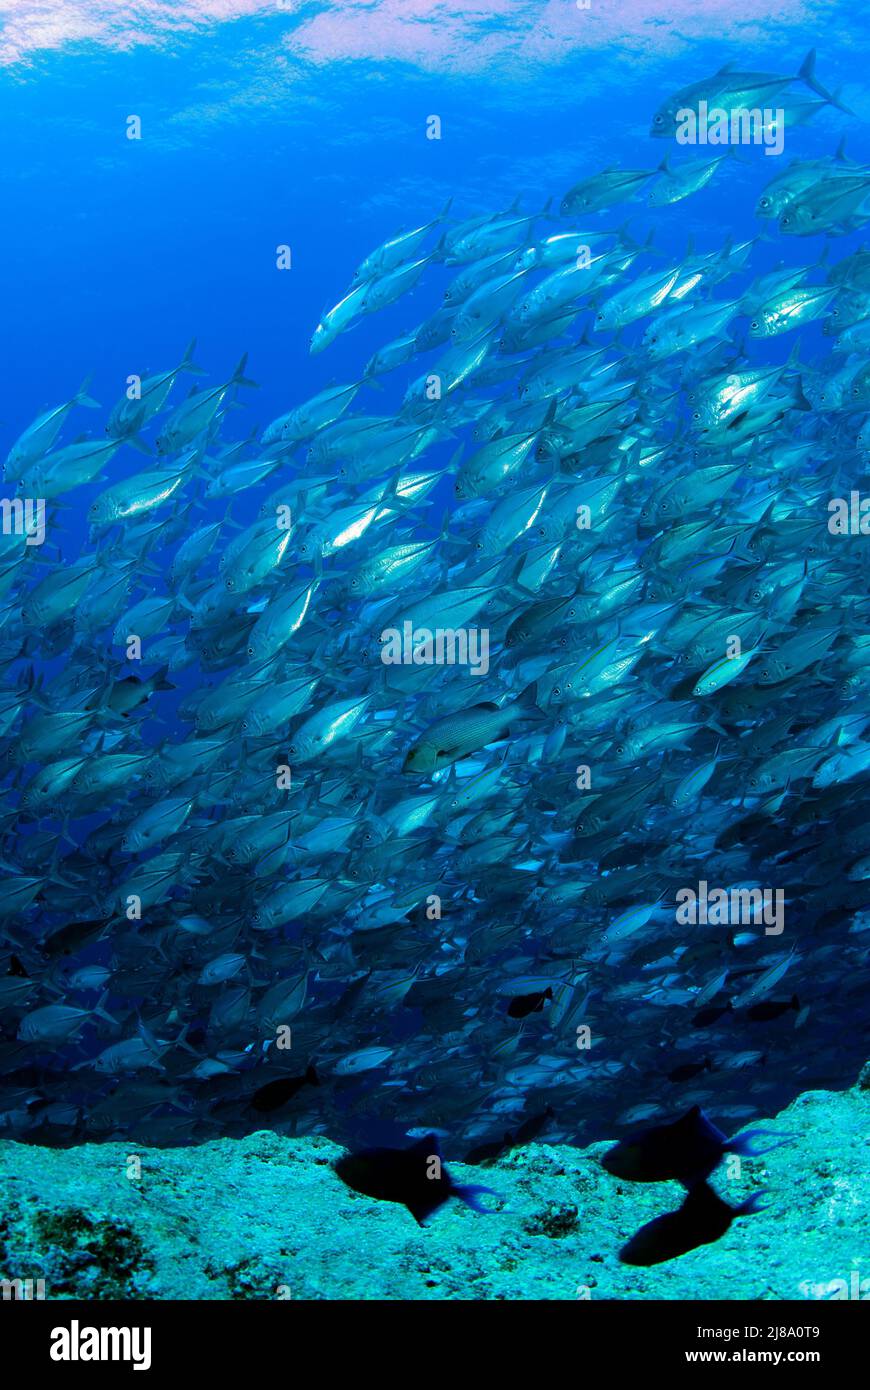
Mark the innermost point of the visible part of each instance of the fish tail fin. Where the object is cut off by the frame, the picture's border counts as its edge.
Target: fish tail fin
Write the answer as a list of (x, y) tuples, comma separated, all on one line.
[(187, 363), (83, 396), (807, 75), (100, 1011), (238, 377), (470, 1194), (744, 1146), (181, 1041), (528, 698)]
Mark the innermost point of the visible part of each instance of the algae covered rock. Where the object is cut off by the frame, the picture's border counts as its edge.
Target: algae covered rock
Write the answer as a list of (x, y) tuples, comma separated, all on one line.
[(266, 1217)]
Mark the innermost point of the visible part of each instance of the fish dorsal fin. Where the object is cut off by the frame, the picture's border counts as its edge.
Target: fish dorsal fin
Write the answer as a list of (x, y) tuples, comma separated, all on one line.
[(727, 67)]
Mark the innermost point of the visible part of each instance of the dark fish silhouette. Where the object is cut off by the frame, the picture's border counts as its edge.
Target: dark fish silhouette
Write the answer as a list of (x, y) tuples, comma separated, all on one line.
[(705, 1017), (702, 1219), (415, 1177), (277, 1093), (686, 1151), (770, 1009), (488, 1153), (68, 939), (524, 1134), (524, 1004), (688, 1070)]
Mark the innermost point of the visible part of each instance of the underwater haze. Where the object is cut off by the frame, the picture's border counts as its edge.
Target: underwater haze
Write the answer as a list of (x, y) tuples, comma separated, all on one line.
[(434, 616)]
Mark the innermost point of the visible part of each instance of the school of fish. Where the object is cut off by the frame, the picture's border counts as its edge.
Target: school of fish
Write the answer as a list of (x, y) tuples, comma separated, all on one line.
[(270, 857)]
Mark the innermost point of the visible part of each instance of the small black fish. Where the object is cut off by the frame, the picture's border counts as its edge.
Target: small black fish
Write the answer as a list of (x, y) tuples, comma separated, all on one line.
[(277, 1093), (705, 1017), (688, 1070), (415, 1177), (702, 1219), (531, 1128), (769, 1009), (126, 694), (524, 1134), (685, 1151), (68, 939), (524, 1004), (488, 1153)]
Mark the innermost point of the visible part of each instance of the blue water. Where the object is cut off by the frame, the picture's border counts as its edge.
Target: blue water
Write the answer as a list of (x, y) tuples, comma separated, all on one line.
[(115, 252)]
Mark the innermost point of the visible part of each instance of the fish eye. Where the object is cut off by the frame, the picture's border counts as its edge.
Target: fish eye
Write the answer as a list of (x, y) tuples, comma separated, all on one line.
[(696, 414), (658, 120), (754, 323), (764, 203), (230, 583), (557, 690)]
